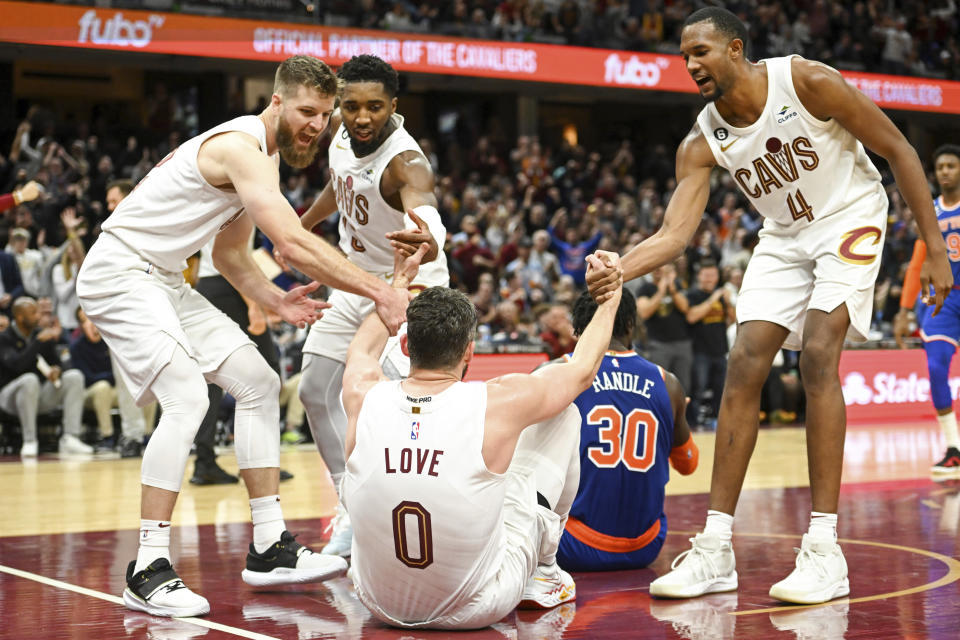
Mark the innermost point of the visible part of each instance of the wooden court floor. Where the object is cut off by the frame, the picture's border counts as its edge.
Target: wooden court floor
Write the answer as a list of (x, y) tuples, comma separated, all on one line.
[(68, 529)]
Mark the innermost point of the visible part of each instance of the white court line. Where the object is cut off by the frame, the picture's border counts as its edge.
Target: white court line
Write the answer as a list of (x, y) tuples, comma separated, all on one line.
[(200, 622)]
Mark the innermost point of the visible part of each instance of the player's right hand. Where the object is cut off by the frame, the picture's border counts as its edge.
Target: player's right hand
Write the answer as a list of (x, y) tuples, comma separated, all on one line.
[(604, 275), (406, 267), (901, 327), (936, 272)]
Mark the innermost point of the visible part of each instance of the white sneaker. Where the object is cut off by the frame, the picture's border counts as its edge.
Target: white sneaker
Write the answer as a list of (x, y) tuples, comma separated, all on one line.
[(548, 587), (708, 567), (706, 618), (159, 591), (29, 450), (341, 534), (820, 574), (814, 623), (70, 443)]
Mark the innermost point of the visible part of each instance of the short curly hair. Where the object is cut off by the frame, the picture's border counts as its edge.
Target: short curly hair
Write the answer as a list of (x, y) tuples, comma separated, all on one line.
[(946, 149), (367, 68), (305, 71), (441, 323), (623, 323)]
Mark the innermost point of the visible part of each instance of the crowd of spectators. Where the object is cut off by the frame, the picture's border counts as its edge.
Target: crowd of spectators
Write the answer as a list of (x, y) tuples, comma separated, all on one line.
[(912, 37), (521, 214)]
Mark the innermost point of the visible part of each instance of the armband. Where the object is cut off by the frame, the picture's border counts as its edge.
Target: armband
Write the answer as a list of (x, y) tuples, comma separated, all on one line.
[(684, 457)]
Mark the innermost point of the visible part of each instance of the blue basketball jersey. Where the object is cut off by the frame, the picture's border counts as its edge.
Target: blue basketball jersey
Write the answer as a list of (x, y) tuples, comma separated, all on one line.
[(949, 220), (625, 442), (946, 324)]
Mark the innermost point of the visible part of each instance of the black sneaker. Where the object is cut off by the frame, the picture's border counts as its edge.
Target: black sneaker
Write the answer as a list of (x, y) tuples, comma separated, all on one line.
[(159, 591), (950, 465), (285, 475), (212, 475), (130, 448), (289, 562)]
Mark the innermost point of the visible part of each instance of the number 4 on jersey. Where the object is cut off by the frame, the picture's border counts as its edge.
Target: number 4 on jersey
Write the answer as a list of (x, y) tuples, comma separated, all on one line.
[(799, 208)]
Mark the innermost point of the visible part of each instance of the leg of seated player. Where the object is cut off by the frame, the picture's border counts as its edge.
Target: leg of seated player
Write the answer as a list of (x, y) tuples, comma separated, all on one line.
[(939, 354), (549, 452), (821, 570), (275, 557)]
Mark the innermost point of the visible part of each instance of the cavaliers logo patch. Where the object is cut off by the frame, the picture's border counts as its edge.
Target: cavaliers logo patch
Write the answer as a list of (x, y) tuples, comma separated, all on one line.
[(851, 239)]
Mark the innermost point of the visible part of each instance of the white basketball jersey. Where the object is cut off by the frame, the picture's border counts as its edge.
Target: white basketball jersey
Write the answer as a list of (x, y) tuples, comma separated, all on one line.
[(426, 513), (365, 217), (793, 167), (174, 211)]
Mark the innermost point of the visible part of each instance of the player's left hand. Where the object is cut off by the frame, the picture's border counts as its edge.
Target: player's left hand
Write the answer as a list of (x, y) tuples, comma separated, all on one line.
[(411, 239), (936, 272), (299, 309)]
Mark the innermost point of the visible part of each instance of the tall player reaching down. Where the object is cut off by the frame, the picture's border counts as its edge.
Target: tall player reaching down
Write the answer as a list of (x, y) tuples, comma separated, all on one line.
[(789, 131), (458, 502), (940, 333), (169, 340), (377, 172)]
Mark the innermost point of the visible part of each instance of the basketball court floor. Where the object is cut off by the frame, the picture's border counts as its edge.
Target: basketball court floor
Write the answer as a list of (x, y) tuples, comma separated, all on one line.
[(68, 529)]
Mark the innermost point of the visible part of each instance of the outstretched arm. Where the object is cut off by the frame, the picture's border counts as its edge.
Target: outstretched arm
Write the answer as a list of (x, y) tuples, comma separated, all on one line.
[(411, 175), (362, 369), (825, 94), (516, 401), (238, 159), (680, 221)]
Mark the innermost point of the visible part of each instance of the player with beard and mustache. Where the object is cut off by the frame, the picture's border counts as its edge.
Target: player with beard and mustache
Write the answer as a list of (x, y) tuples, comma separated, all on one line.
[(169, 340), (792, 133), (377, 173)]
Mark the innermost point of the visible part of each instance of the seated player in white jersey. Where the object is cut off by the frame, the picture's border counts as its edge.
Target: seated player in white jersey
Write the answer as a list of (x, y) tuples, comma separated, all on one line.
[(377, 172), (170, 341), (457, 502), (791, 132)]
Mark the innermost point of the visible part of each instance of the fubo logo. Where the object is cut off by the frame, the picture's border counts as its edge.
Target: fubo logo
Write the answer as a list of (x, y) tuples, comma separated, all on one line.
[(633, 71), (117, 31)]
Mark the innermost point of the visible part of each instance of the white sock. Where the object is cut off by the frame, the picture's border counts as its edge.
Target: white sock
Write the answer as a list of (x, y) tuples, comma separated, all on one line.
[(268, 522), (948, 424), (719, 524), (823, 526), (154, 542)]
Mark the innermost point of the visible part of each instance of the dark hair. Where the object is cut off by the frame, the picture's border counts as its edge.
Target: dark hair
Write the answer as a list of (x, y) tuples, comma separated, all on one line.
[(125, 186), (305, 71), (724, 21), (440, 326), (367, 68), (946, 149), (623, 324)]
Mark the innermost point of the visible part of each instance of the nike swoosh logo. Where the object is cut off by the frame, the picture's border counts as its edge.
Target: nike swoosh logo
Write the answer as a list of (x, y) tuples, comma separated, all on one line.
[(725, 147), (161, 525)]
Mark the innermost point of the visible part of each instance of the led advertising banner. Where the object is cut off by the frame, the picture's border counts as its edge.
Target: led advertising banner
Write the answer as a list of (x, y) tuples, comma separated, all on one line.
[(885, 385), (216, 37)]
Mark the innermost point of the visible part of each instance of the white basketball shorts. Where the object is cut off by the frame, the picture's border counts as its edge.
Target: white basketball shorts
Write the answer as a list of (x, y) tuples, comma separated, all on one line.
[(818, 266), (143, 312)]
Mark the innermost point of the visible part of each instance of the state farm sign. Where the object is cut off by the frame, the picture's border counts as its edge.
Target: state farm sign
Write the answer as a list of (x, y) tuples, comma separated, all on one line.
[(888, 385)]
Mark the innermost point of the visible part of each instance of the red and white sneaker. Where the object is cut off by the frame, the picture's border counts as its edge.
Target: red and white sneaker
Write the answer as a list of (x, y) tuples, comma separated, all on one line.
[(548, 587), (950, 465)]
